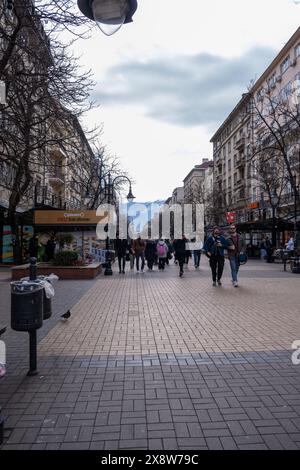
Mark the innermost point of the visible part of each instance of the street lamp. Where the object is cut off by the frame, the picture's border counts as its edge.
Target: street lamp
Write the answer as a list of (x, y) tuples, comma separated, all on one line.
[(296, 199), (130, 197), (274, 199), (110, 15)]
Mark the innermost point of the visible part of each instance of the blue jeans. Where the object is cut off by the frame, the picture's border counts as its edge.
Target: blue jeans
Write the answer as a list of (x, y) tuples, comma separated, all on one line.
[(235, 266), (197, 257), (137, 257)]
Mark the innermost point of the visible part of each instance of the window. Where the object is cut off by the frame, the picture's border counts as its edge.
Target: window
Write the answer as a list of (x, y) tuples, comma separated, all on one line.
[(285, 65), (297, 51), (286, 91), (272, 80), (229, 147)]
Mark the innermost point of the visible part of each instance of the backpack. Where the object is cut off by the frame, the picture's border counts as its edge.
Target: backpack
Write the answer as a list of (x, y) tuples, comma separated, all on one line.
[(161, 250)]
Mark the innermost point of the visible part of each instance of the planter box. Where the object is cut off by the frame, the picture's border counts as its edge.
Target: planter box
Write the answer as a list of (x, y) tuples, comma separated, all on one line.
[(63, 272)]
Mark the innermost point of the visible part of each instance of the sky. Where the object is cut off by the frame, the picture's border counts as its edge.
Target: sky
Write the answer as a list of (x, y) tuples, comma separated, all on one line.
[(165, 82)]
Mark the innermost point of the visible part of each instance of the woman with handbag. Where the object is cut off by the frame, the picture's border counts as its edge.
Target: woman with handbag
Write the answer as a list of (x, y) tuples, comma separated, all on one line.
[(236, 248)]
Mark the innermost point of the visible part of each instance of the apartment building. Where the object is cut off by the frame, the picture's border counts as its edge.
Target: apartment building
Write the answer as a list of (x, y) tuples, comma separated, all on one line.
[(59, 165), (197, 182), (241, 141), (177, 196)]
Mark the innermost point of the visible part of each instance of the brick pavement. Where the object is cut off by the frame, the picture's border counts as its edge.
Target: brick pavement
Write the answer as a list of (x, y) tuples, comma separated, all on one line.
[(158, 362)]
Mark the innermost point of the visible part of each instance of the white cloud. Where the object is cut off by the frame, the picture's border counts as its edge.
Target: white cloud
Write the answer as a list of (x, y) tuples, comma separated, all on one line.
[(156, 153)]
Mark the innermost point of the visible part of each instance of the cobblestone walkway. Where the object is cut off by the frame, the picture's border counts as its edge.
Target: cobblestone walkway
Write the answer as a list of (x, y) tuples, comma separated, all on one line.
[(156, 362)]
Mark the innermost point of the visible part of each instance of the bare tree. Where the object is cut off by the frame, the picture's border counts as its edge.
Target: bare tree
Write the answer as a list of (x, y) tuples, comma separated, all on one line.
[(276, 141), (49, 16), (46, 89)]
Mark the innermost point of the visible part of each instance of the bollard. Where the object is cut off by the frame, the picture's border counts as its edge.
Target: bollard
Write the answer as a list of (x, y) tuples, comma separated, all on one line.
[(32, 269)]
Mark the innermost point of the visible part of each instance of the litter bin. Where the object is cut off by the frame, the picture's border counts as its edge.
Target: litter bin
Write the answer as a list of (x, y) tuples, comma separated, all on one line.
[(47, 283), (26, 305)]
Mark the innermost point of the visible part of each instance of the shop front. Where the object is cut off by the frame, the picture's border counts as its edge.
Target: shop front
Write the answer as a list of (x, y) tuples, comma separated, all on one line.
[(71, 229), (26, 230)]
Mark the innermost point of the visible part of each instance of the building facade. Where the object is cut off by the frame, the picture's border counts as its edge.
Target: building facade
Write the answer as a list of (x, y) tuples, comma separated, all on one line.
[(253, 153)]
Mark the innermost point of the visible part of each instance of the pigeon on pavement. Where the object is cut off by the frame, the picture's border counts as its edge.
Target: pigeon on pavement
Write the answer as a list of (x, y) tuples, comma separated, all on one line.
[(66, 315)]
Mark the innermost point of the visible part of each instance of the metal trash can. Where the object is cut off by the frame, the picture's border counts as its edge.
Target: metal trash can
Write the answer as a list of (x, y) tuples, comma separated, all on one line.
[(47, 304), (45, 281), (26, 305)]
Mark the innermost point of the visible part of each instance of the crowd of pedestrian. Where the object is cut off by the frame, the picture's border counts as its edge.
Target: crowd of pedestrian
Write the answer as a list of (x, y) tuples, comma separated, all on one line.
[(159, 252)]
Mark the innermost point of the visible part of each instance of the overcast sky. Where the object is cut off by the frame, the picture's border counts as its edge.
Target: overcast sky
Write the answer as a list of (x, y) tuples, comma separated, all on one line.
[(167, 81)]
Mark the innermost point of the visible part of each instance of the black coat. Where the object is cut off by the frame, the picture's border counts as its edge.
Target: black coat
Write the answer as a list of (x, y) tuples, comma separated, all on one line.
[(150, 252), (121, 247), (179, 246)]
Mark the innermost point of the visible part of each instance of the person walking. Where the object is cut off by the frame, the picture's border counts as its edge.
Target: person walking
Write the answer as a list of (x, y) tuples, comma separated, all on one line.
[(50, 249), (290, 245), (197, 253), (269, 250), (170, 251), (188, 254), (262, 247), (214, 248), (150, 253), (162, 251), (131, 255), (179, 246), (139, 247), (236, 246), (121, 246)]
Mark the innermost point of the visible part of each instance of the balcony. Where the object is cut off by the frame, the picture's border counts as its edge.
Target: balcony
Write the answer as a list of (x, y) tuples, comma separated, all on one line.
[(218, 159), (45, 196), (56, 178), (239, 184), (240, 144), (240, 162)]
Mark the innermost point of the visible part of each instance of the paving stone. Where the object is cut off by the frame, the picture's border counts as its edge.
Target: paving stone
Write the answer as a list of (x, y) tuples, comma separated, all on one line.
[(159, 370)]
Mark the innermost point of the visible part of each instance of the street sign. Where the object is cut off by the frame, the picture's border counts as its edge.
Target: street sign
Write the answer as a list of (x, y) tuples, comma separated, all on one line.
[(230, 217)]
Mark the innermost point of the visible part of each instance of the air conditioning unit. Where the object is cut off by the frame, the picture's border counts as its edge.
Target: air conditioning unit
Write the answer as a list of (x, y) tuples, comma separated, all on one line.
[(294, 63), (279, 79)]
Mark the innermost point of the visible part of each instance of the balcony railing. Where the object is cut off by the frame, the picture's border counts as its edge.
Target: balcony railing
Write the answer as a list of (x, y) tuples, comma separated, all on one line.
[(56, 177), (240, 144)]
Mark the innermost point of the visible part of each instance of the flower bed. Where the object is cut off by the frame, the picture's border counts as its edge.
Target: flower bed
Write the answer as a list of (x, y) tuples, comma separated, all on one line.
[(89, 271)]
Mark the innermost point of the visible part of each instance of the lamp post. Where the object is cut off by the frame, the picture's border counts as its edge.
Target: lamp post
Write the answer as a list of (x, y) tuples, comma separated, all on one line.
[(110, 15), (296, 197), (274, 199), (130, 197)]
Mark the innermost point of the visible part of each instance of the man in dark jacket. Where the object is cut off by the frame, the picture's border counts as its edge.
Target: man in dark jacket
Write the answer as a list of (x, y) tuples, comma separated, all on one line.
[(150, 253), (138, 248), (121, 247), (179, 246), (214, 248)]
